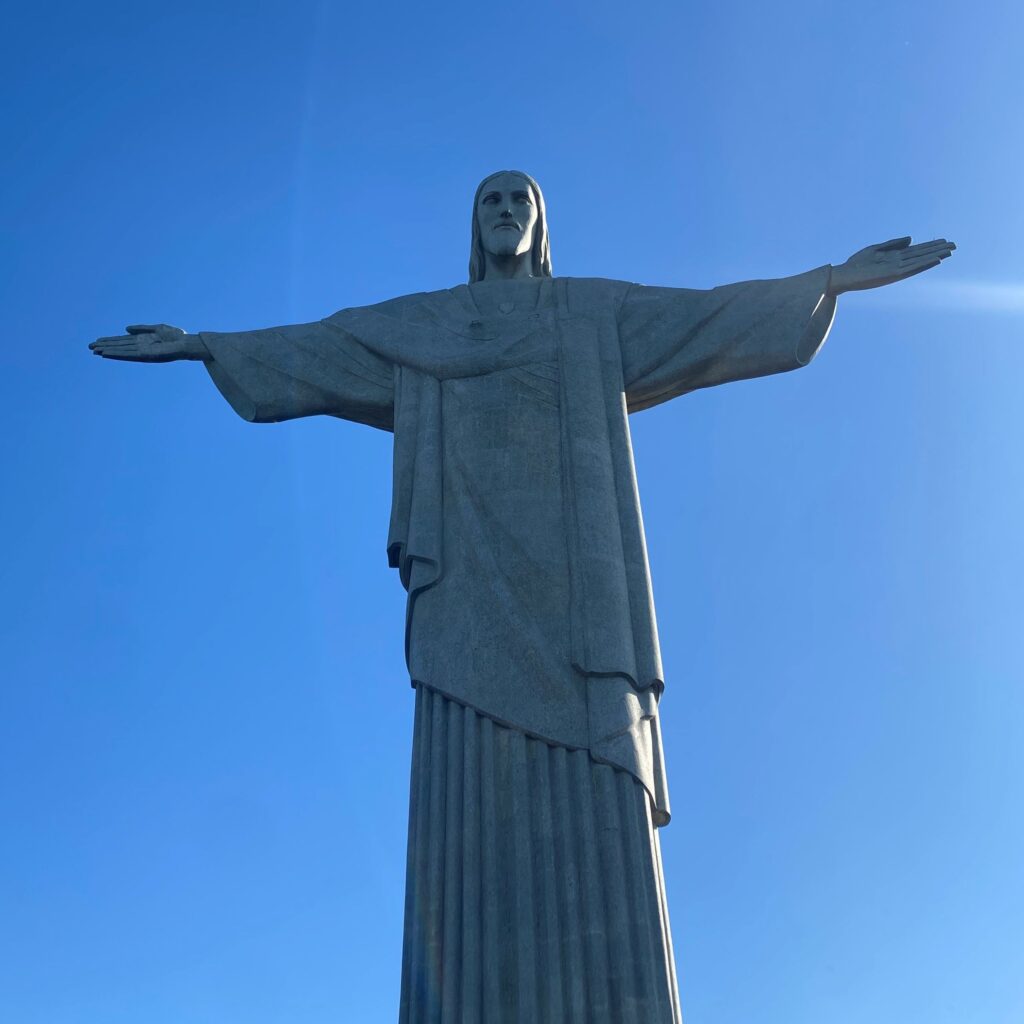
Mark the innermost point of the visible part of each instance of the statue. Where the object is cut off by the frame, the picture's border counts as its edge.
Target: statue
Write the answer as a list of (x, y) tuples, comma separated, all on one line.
[(534, 890)]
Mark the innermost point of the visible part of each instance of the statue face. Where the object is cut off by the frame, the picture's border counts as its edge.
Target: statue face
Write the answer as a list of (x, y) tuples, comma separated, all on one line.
[(506, 214)]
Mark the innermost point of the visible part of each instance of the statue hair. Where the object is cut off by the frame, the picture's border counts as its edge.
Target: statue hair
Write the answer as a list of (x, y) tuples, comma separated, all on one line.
[(540, 254)]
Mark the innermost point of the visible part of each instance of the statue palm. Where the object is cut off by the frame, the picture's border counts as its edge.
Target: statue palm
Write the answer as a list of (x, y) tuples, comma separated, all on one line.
[(888, 262), (151, 343)]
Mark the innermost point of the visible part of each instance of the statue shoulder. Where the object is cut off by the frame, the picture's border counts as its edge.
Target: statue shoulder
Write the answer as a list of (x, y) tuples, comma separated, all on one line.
[(403, 307), (592, 294)]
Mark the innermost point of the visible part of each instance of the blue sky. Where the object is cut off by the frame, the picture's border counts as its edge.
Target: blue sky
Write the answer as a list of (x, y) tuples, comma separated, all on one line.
[(204, 717)]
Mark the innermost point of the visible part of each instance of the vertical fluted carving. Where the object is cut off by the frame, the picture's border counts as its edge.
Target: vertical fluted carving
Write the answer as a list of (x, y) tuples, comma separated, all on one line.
[(535, 893)]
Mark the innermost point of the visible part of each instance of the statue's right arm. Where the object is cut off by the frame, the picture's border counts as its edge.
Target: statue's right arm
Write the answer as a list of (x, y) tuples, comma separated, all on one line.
[(274, 374), (151, 343)]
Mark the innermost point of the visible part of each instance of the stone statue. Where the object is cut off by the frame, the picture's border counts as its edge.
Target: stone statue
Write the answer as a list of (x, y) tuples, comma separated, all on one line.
[(534, 890)]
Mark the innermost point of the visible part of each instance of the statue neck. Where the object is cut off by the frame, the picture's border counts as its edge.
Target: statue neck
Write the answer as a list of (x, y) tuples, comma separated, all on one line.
[(508, 267)]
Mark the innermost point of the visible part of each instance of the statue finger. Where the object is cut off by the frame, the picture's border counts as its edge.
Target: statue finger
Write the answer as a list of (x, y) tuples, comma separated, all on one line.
[(940, 254), (123, 355), (924, 257), (927, 248), (934, 243), (143, 328), (102, 350), (918, 268), (119, 352), (107, 343), (110, 340), (894, 243)]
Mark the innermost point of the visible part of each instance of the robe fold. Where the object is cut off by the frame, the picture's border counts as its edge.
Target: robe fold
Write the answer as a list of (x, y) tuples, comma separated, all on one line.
[(516, 525)]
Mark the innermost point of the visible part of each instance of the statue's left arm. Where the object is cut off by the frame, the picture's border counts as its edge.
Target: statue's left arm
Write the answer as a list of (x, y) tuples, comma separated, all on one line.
[(676, 340)]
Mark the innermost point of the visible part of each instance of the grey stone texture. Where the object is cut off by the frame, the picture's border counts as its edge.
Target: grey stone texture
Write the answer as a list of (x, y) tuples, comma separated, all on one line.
[(530, 634)]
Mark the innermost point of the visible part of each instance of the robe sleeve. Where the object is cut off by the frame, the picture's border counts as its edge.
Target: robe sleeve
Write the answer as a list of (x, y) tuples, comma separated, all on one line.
[(303, 370), (676, 340)]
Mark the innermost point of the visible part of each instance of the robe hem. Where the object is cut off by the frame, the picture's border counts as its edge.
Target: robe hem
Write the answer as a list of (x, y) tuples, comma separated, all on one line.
[(659, 816)]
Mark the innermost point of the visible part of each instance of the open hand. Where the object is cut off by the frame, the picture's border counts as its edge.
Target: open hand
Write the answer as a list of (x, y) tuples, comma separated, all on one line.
[(150, 343), (887, 262)]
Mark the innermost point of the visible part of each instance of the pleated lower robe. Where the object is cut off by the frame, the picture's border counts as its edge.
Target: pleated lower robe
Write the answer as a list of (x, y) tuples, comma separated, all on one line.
[(534, 890)]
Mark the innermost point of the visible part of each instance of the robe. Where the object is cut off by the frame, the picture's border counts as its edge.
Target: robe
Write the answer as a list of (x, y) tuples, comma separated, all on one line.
[(516, 526)]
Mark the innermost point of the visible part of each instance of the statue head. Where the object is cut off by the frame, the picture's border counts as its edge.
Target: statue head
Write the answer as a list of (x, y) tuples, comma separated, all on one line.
[(509, 220)]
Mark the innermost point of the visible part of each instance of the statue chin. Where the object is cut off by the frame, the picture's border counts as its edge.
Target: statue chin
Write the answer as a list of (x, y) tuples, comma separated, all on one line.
[(513, 245)]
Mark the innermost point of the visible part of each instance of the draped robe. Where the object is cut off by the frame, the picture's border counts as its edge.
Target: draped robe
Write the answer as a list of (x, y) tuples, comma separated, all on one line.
[(516, 525), (534, 888)]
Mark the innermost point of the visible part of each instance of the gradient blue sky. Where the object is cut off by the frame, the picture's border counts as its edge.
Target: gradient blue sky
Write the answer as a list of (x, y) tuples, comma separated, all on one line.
[(204, 717)]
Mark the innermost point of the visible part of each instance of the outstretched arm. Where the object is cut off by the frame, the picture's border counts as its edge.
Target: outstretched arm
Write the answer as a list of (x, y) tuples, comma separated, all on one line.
[(280, 373), (675, 340)]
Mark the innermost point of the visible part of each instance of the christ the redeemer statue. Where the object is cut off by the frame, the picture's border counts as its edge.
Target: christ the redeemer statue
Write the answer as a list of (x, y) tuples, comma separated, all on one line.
[(534, 890)]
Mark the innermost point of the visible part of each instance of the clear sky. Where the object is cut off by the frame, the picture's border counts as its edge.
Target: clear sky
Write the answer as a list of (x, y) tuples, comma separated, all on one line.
[(204, 718)]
